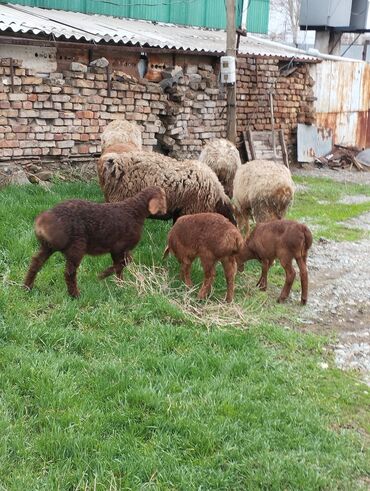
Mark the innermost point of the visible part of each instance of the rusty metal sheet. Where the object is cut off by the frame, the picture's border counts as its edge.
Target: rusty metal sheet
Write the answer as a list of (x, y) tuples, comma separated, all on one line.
[(342, 89), (313, 142)]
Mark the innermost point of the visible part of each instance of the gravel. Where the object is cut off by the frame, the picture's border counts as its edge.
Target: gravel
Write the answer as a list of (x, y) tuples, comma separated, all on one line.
[(339, 300), (354, 176), (339, 275)]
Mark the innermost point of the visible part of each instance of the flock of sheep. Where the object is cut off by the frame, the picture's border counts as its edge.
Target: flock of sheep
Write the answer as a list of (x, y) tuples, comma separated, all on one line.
[(203, 197)]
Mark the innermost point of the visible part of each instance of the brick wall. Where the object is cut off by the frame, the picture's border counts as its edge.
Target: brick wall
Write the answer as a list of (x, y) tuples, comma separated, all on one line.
[(292, 96), (61, 115)]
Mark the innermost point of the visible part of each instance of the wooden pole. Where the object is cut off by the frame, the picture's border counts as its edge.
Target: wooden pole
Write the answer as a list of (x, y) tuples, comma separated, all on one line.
[(231, 51), (272, 124)]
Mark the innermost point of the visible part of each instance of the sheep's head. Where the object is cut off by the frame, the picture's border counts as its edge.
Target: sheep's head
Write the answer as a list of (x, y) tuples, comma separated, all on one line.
[(111, 166), (157, 204)]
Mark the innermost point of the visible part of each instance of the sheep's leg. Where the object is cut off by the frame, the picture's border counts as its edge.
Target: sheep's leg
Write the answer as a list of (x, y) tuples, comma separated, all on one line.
[(107, 272), (247, 227), (36, 264), (229, 265), (239, 219), (185, 271), (209, 275), (73, 257), (301, 261), (262, 282), (119, 262), (286, 262)]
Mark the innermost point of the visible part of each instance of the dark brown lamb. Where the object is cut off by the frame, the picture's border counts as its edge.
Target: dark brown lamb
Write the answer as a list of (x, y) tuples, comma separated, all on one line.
[(282, 239), (212, 238), (78, 227)]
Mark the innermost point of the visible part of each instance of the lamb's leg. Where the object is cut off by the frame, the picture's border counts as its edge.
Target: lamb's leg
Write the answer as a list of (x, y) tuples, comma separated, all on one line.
[(36, 264), (73, 257), (286, 262), (185, 271), (229, 265), (209, 275), (262, 282), (119, 262), (304, 279)]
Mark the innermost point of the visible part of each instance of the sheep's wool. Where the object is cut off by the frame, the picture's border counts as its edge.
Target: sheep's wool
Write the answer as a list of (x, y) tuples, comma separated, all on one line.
[(223, 158), (189, 185), (121, 131), (263, 188)]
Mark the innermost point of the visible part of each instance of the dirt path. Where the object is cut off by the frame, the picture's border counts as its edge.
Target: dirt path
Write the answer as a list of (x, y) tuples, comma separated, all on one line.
[(339, 301)]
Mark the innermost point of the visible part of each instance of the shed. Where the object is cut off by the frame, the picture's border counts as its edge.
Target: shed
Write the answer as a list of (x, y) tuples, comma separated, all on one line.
[(55, 106)]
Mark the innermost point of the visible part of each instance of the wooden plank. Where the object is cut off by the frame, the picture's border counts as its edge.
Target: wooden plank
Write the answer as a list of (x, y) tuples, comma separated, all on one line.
[(11, 75), (283, 148), (109, 81), (251, 145), (271, 97), (246, 147)]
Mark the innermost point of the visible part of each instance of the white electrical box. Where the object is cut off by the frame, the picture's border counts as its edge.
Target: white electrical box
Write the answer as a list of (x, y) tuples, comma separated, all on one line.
[(228, 75)]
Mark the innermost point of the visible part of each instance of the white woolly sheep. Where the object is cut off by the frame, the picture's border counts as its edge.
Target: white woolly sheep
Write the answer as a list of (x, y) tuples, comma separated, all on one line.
[(190, 187), (263, 190), (223, 158), (121, 131)]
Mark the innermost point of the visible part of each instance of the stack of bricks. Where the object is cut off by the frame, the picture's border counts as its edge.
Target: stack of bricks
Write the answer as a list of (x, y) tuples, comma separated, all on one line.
[(195, 113), (61, 115)]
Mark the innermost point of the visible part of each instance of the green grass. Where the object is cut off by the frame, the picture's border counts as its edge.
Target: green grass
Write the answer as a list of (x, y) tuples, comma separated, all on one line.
[(320, 209), (122, 389)]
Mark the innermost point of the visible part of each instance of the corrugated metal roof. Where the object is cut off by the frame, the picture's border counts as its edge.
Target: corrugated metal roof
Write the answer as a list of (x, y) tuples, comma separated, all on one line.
[(60, 24), (201, 13)]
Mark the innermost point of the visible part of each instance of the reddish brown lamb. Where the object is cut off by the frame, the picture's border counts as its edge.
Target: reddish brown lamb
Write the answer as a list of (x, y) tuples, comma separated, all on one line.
[(282, 239), (78, 227), (212, 238)]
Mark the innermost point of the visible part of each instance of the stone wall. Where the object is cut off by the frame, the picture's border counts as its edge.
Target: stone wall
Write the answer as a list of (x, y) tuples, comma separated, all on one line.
[(61, 115)]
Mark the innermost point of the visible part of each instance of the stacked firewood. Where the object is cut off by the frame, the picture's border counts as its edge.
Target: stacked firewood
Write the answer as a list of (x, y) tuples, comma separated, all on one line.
[(342, 158)]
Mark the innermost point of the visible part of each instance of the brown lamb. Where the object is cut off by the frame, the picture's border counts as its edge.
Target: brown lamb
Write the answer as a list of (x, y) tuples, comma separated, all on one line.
[(78, 227), (212, 238), (282, 239)]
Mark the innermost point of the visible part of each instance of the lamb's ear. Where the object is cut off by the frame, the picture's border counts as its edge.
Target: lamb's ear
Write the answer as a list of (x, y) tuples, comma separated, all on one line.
[(154, 206)]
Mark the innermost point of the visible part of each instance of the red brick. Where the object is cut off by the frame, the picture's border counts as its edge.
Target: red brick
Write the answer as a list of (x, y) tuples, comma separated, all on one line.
[(84, 114), (55, 151), (83, 149), (9, 143)]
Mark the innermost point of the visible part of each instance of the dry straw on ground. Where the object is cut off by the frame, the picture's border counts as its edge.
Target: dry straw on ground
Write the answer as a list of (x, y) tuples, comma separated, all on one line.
[(154, 280)]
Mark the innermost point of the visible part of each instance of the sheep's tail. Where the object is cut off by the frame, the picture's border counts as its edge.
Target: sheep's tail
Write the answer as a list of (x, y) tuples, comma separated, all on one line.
[(166, 252), (307, 238)]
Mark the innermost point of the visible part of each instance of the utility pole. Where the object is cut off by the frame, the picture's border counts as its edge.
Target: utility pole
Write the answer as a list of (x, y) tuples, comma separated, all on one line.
[(231, 88)]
